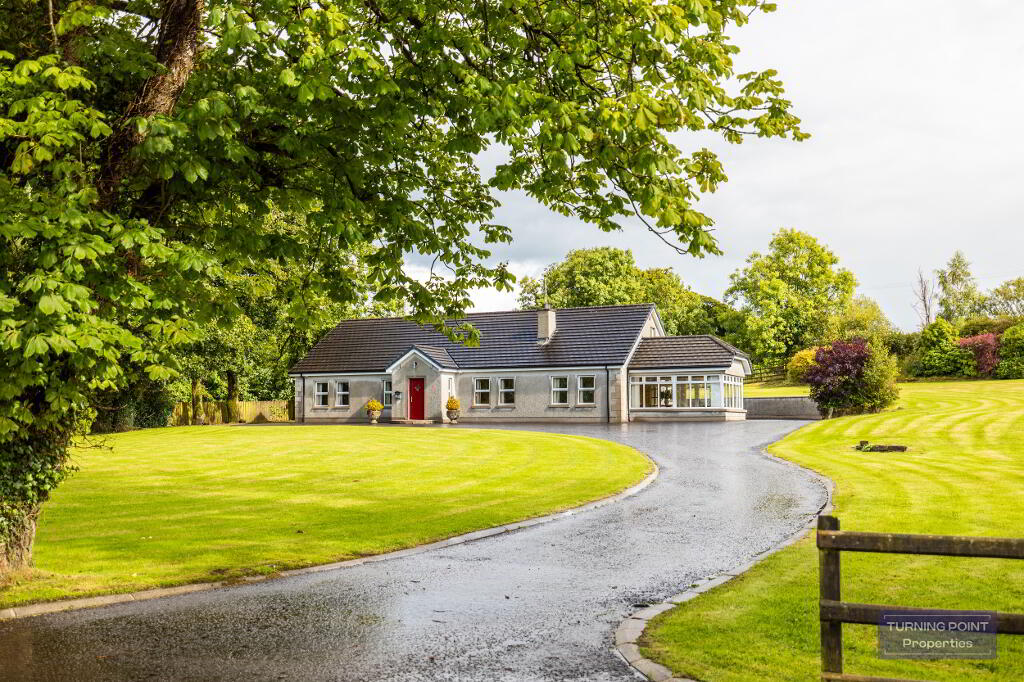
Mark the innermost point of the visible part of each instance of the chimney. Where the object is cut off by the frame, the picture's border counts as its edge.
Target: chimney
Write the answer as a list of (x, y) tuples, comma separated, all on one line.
[(545, 324)]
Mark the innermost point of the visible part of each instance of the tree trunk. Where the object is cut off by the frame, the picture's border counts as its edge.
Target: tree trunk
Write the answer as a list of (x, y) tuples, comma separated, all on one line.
[(232, 402), (16, 547), (198, 418), (178, 51)]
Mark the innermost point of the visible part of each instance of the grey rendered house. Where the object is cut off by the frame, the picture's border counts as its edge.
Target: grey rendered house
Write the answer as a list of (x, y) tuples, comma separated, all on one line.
[(596, 364)]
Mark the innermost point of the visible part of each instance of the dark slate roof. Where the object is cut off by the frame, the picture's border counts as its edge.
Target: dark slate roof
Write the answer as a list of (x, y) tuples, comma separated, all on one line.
[(438, 355), (664, 352), (597, 335)]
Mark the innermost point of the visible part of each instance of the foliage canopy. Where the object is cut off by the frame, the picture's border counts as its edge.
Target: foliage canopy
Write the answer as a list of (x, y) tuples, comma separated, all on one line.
[(145, 143), (789, 294)]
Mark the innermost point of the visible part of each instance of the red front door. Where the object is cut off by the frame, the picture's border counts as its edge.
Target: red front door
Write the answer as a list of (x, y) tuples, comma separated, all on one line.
[(416, 398)]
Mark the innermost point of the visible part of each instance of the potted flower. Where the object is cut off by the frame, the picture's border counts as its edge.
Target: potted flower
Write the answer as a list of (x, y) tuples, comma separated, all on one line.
[(373, 409), (453, 409)]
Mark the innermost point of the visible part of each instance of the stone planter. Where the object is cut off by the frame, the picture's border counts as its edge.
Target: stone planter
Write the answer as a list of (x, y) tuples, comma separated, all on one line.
[(453, 416), (374, 415)]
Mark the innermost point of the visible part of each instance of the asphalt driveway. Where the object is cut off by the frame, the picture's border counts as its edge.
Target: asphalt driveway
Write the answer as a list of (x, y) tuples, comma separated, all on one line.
[(536, 604)]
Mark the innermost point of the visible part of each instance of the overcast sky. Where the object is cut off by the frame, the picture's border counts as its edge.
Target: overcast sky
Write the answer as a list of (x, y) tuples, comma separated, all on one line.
[(915, 113)]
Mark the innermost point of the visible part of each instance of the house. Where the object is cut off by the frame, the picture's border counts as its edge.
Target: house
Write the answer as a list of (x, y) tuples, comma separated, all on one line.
[(596, 364)]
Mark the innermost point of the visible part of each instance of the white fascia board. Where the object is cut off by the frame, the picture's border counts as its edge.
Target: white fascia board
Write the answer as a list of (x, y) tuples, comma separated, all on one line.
[(657, 319), (651, 371), (299, 375), (413, 351)]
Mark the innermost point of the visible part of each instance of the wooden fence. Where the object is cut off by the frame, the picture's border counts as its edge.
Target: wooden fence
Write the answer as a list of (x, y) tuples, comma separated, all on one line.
[(833, 612), (249, 411), (765, 373)]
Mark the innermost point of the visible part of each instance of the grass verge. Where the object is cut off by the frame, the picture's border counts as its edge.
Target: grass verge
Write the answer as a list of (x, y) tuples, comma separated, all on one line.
[(170, 506), (964, 475)]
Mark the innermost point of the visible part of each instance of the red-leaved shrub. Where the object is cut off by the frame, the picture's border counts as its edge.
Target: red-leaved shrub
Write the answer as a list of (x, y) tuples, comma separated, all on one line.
[(985, 348), (853, 376)]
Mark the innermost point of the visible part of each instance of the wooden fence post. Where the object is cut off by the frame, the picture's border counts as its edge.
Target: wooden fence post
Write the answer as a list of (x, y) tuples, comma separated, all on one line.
[(828, 576)]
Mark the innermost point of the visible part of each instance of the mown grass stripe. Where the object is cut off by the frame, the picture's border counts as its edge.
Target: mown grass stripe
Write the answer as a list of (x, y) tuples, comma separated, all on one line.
[(964, 475)]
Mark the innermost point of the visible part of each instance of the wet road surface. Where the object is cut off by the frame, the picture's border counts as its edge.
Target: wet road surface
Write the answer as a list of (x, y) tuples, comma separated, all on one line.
[(536, 604)]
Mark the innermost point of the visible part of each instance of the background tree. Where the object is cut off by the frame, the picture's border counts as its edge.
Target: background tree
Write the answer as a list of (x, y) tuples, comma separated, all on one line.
[(610, 276), (789, 294), (924, 299), (143, 144), (862, 318), (1008, 298), (959, 296)]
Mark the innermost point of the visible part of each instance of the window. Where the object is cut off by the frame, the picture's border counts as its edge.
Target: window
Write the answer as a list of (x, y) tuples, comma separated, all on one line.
[(732, 390), (586, 389), (341, 394), (482, 392), (388, 394), (507, 391), (559, 390), (320, 397), (670, 391)]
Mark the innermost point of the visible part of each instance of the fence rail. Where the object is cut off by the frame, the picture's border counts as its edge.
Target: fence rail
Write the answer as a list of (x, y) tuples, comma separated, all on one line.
[(220, 412), (833, 612), (763, 373)]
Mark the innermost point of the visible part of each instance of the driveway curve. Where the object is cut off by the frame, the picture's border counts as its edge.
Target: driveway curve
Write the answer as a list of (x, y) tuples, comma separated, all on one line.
[(541, 603)]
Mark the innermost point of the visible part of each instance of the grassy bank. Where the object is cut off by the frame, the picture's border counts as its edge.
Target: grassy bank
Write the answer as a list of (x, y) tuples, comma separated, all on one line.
[(964, 474), (169, 506)]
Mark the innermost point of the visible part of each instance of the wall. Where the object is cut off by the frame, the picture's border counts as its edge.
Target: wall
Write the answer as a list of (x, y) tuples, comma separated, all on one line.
[(781, 408), (533, 397), (412, 367), (362, 388), (704, 414)]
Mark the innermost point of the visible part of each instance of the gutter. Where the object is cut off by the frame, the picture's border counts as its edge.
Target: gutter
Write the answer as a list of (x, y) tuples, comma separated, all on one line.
[(607, 395), (302, 404)]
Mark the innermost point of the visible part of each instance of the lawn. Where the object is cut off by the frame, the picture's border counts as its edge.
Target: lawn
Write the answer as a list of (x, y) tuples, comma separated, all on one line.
[(766, 389), (963, 475), (169, 506)]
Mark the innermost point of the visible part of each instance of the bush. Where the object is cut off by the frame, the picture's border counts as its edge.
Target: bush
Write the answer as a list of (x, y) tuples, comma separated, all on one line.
[(796, 368), (902, 344), (940, 356), (374, 406), (853, 376), (452, 404), (1011, 365), (985, 349), (988, 325)]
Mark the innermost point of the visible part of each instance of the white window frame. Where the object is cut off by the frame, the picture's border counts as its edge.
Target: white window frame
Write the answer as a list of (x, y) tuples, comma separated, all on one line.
[(320, 397), (732, 391), (502, 391), (675, 384), (477, 391), (580, 389), (551, 396), (340, 393), (387, 392)]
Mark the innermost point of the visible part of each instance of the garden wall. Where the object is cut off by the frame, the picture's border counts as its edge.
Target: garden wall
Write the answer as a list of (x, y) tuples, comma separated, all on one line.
[(249, 411), (792, 407)]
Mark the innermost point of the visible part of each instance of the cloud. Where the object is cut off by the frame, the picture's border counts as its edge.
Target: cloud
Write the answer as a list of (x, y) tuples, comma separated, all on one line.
[(913, 107)]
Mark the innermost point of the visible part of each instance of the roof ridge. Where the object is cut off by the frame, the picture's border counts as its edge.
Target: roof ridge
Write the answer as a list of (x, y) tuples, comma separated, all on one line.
[(405, 318)]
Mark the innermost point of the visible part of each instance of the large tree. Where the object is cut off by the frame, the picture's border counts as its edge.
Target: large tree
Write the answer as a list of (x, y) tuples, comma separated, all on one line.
[(609, 276), (789, 294), (144, 142), (1008, 298), (959, 295)]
